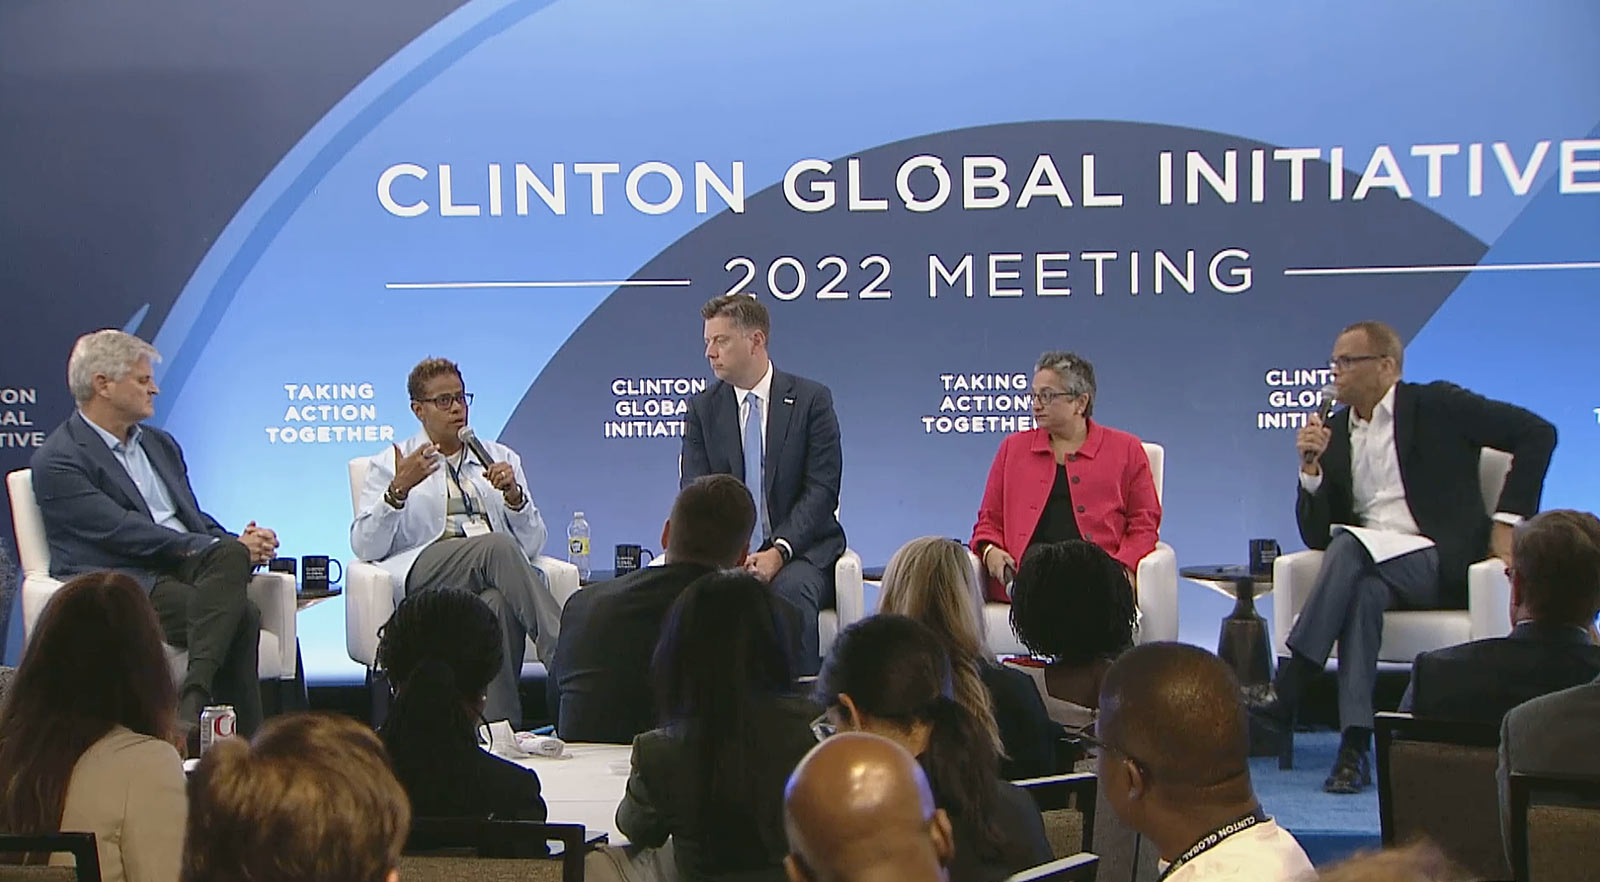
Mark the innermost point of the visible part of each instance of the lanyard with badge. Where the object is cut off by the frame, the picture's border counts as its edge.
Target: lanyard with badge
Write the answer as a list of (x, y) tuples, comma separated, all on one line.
[(1214, 838), (477, 523)]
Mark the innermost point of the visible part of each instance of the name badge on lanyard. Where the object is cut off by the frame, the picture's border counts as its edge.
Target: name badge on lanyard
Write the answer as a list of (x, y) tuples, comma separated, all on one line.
[(1214, 838), (477, 522)]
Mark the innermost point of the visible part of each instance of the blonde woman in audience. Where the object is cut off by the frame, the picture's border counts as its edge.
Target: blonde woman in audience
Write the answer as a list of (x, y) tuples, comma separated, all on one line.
[(311, 798), (87, 730), (932, 580)]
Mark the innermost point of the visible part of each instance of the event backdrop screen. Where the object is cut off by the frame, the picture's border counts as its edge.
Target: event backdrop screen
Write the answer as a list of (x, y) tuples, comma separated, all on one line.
[(1196, 197)]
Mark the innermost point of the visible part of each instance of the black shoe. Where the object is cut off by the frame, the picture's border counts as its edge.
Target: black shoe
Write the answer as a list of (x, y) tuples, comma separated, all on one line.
[(1352, 772), (1265, 705)]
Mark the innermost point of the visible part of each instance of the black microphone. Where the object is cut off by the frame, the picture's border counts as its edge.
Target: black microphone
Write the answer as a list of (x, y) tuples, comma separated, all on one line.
[(1329, 393), (470, 438)]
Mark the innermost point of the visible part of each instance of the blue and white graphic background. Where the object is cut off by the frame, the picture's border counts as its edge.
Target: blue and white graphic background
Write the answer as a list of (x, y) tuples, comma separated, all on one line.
[(294, 290)]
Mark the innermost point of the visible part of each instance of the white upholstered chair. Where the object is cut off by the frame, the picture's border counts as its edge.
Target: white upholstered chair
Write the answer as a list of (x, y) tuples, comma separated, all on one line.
[(273, 593), (1157, 576), (371, 594), (1409, 632)]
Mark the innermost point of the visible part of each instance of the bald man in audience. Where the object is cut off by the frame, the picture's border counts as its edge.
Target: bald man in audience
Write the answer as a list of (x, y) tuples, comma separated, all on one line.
[(1173, 742), (858, 809)]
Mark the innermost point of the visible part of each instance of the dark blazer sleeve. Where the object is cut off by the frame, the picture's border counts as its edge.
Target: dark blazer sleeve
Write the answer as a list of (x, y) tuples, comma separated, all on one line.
[(1316, 513), (209, 524), (74, 504), (693, 461), (812, 513), (639, 816), (1528, 437)]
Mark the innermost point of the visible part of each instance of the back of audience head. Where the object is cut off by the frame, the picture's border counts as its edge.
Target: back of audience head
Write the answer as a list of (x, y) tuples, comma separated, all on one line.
[(710, 522), (440, 649), (890, 675), (1071, 603), (859, 808), (721, 655), (1175, 736), (311, 798), (1556, 574), (94, 661), (932, 580), (1418, 862)]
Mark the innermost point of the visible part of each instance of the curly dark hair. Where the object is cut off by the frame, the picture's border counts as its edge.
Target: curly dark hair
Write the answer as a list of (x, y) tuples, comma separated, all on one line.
[(1072, 603), (440, 649)]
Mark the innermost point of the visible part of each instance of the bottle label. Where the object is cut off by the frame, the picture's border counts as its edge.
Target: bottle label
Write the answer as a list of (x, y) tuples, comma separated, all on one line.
[(578, 545)]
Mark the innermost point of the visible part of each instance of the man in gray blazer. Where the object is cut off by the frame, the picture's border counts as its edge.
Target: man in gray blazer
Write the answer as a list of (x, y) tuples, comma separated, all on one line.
[(1553, 734), (115, 495)]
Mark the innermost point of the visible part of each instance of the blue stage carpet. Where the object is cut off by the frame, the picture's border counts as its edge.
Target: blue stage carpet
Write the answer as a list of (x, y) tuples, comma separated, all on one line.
[(1328, 826)]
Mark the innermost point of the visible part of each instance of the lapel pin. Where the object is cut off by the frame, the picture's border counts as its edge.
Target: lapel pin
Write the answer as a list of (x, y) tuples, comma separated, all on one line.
[(788, 401)]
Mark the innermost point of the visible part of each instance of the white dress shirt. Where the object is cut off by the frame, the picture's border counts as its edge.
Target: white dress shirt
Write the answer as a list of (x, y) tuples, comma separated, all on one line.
[(763, 390), (1263, 853)]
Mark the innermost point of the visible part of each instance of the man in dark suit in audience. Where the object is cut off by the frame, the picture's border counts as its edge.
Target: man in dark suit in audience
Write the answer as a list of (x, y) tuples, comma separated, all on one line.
[(115, 495), (1397, 471), (1553, 734), (602, 666), (1555, 594), (778, 433)]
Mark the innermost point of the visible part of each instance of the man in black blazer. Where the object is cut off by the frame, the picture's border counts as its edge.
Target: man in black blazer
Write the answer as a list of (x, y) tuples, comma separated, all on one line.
[(601, 672), (1555, 595), (1401, 463), (115, 495), (778, 433)]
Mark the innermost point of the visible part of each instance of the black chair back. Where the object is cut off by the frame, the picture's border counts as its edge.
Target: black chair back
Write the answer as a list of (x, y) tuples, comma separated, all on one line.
[(498, 840), (1065, 801), (1555, 827), (1436, 780), (1076, 868), (86, 860)]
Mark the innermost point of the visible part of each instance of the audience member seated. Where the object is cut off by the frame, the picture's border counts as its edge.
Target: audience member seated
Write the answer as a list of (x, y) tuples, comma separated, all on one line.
[(441, 648), (601, 670), (1555, 594), (310, 799), (1418, 862), (889, 675), (1069, 478), (1073, 609), (712, 777), (1553, 734), (87, 731), (859, 809), (931, 580), (1173, 744)]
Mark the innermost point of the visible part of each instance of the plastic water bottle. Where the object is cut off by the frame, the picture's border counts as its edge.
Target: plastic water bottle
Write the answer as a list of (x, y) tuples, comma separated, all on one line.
[(578, 544)]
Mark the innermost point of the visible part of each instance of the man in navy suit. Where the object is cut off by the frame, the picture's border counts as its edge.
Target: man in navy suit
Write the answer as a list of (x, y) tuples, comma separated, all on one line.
[(115, 495), (1555, 594), (777, 433)]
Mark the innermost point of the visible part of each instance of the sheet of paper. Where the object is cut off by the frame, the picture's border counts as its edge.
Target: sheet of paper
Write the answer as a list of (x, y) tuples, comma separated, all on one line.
[(1383, 544)]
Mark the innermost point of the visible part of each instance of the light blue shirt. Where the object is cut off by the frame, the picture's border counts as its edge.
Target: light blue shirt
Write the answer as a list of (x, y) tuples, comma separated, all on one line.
[(134, 461)]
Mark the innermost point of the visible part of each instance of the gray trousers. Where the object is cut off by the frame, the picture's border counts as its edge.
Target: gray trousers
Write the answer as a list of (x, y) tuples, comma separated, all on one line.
[(494, 568), (1346, 606)]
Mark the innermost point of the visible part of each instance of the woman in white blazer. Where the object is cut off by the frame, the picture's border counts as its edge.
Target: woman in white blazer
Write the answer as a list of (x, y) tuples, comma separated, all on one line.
[(87, 731)]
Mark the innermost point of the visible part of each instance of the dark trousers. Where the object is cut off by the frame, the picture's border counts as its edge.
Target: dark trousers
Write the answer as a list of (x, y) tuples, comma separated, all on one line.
[(495, 568), (1346, 606), (203, 609), (806, 590)]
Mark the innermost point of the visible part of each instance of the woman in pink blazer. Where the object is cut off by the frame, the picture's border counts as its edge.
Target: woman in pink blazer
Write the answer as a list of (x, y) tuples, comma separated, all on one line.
[(1069, 478)]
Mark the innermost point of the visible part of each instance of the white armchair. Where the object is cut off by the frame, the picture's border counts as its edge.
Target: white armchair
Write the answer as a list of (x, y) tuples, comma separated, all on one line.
[(371, 594), (272, 593), (1409, 632), (1156, 576)]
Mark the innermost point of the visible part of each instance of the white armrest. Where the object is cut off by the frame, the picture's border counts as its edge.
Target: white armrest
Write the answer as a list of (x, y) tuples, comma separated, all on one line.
[(1157, 577), (274, 595), (563, 577), (36, 592), (1489, 599), (369, 601), (1293, 575), (850, 597)]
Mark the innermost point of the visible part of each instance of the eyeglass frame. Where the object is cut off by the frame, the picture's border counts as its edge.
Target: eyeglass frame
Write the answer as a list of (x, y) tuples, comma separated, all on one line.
[(1346, 362), (447, 399), (823, 728), (1082, 737), (1047, 396)]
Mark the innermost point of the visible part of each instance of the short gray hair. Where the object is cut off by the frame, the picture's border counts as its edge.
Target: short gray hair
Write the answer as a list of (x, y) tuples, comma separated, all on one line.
[(109, 353), (1077, 374)]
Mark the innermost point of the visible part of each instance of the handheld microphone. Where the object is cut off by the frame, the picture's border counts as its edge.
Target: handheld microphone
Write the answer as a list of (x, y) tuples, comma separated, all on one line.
[(470, 438), (1329, 393)]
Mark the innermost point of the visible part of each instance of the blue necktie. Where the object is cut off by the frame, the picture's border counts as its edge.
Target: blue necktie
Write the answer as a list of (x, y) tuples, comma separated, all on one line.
[(752, 466)]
